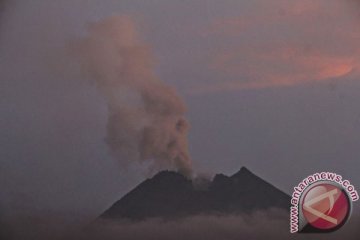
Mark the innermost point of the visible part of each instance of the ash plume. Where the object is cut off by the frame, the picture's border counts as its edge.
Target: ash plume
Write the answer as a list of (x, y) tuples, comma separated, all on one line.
[(146, 121)]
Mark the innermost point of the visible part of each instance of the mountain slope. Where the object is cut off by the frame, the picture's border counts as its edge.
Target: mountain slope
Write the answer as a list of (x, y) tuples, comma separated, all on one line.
[(170, 195)]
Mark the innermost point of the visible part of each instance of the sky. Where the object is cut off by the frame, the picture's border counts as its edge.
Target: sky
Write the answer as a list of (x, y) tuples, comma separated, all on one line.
[(270, 85)]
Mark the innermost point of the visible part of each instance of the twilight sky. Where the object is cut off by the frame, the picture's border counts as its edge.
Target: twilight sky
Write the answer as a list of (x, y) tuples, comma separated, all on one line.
[(271, 85)]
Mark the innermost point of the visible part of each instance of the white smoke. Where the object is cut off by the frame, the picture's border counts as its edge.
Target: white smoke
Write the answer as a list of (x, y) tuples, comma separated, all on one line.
[(146, 117)]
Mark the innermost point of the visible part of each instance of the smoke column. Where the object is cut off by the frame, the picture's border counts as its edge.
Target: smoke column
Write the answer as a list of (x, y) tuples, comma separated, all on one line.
[(146, 121)]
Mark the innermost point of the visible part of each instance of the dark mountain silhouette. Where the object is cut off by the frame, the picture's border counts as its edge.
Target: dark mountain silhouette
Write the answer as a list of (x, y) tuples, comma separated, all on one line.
[(171, 195)]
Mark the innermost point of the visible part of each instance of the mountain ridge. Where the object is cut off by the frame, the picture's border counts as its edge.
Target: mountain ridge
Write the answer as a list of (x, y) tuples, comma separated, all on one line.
[(169, 195)]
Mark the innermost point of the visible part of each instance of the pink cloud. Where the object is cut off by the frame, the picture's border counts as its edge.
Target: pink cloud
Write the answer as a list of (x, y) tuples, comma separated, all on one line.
[(287, 44)]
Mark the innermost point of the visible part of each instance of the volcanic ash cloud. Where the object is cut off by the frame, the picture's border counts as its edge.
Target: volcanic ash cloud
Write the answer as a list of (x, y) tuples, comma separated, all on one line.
[(146, 121)]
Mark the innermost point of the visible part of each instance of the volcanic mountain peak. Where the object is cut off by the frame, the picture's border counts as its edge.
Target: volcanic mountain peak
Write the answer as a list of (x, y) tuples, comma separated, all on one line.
[(243, 171), (171, 195)]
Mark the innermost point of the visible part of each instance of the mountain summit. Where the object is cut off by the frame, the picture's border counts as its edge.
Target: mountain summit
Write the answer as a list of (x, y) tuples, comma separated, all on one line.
[(171, 195)]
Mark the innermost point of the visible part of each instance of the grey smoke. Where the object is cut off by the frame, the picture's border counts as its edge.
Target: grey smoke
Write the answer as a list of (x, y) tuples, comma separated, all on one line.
[(146, 121)]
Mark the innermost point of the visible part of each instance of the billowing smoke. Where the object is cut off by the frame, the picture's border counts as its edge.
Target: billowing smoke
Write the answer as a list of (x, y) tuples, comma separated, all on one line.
[(146, 121)]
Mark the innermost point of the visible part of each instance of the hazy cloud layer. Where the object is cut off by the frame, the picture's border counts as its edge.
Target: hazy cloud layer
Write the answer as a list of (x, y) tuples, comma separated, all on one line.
[(260, 225), (284, 43)]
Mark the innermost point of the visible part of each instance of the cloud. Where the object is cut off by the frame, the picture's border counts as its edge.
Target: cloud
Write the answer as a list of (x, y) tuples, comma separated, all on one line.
[(283, 44), (283, 66), (272, 224)]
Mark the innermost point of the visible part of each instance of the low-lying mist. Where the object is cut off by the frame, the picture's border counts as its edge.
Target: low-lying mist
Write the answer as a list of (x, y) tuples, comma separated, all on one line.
[(272, 224)]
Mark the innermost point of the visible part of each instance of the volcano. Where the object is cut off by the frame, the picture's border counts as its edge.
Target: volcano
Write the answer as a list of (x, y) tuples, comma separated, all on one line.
[(170, 195)]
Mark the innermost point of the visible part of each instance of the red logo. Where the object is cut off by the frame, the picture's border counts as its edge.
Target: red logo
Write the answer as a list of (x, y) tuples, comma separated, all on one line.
[(326, 207)]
